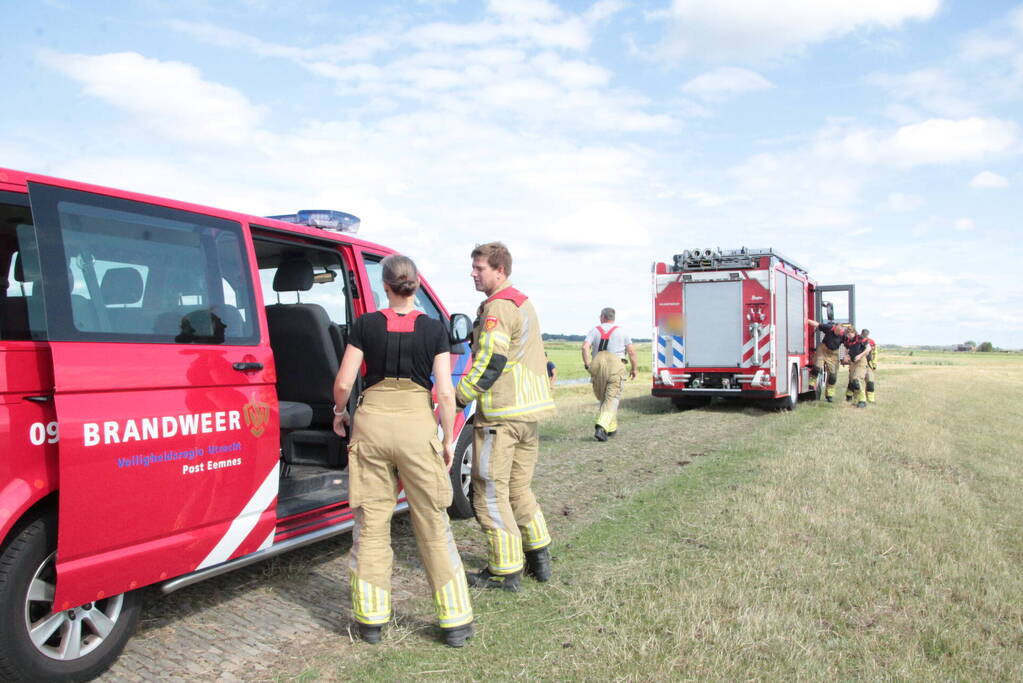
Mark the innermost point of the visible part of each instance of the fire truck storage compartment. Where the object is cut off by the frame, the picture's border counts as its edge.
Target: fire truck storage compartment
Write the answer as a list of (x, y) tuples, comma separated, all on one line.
[(713, 323), (781, 331)]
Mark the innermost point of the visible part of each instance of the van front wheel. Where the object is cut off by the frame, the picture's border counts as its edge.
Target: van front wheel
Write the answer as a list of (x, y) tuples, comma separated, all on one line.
[(37, 645)]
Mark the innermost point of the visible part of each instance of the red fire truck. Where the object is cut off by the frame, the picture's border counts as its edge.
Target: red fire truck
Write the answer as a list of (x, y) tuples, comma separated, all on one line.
[(732, 323), (166, 402)]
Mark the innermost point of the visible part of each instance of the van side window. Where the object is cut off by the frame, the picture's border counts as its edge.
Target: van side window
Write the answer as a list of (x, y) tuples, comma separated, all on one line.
[(22, 316), (375, 272), (327, 289), (137, 272)]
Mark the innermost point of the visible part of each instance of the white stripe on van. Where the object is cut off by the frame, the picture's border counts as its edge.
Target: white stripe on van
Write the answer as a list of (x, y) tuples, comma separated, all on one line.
[(245, 522)]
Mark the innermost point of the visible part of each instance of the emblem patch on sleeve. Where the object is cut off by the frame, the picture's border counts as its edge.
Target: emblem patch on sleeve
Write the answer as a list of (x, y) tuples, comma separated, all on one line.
[(490, 323)]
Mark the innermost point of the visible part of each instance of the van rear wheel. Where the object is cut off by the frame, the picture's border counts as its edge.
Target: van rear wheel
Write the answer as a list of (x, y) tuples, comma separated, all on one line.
[(37, 645), (461, 476)]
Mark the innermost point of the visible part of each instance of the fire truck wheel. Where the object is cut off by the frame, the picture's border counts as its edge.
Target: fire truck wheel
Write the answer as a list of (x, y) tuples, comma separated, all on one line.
[(73, 645), (687, 402), (461, 476), (791, 399), (822, 381)]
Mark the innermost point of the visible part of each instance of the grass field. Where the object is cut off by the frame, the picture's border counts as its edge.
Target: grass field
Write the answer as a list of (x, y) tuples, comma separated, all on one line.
[(735, 543)]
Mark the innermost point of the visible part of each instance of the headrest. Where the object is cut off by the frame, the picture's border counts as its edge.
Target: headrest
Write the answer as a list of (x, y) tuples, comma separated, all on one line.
[(294, 275), (27, 269), (121, 286), (231, 317)]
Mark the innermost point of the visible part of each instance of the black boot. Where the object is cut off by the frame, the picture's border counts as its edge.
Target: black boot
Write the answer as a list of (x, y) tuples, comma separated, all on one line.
[(456, 637), (538, 564), (599, 433), (370, 633), (484, 579)]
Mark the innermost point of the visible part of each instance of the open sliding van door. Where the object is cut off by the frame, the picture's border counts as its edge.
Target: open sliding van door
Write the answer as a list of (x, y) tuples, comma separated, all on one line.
[(168, 429)]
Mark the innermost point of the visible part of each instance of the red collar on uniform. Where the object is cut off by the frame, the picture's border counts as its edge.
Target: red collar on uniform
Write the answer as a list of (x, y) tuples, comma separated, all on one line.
[(511, 294), (401, 323)]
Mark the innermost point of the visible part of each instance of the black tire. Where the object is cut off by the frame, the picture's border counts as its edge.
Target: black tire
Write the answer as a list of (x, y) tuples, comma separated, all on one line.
[(822, 381), (27, 561), (689, 402), (461, 481), (791, 399)]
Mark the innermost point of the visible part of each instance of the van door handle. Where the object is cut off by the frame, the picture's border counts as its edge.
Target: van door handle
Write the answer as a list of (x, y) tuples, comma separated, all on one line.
[(44, 398), (247, 367)]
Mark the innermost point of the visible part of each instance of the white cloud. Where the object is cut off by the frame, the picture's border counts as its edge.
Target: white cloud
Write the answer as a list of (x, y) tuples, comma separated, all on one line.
[(904, 203), (964, 224), (169, 97), (713, 200), (509, 67), (717, 30), (724, 82), (934, 141), (934, 89), (988, 180)]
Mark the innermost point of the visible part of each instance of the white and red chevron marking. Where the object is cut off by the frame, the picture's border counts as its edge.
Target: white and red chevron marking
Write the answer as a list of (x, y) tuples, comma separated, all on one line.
[(765, 352)]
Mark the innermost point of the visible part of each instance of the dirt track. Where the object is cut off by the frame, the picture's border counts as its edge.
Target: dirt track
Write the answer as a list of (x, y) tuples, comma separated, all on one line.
[(267, 620)]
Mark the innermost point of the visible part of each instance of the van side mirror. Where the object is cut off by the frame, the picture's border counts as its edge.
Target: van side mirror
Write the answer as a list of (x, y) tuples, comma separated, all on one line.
[(830, 308), (459, 328)]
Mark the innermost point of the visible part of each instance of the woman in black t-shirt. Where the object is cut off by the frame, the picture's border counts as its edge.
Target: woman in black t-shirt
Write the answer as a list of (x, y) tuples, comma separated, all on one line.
[(395, 435)]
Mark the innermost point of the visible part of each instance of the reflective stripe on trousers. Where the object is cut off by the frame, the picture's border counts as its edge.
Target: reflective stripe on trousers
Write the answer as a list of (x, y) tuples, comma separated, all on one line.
[(504, 457)]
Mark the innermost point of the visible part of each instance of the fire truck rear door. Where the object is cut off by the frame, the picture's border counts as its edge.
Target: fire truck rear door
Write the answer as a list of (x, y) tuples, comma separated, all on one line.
[(168, 437), (713, 323), (843, 303)]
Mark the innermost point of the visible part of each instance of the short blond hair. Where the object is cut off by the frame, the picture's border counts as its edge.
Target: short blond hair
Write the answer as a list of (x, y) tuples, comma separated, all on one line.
[(496, 254)]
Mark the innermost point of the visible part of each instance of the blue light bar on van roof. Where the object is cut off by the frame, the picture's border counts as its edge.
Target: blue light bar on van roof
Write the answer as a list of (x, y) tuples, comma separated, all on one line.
[(325, 219)]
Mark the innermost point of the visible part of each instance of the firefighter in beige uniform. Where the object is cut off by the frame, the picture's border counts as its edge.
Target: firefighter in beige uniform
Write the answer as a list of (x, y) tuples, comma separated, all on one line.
[(508, 381), (857, 348), (868, 372), (609, 344), (395, 435), (870, 376), (826, 355)]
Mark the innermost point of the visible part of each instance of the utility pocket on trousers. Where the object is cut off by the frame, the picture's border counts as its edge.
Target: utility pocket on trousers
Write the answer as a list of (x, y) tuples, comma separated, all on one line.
[(354, 483), (444, 493)]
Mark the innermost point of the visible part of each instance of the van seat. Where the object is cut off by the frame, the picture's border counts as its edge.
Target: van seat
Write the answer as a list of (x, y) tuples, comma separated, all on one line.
[(304, 347)]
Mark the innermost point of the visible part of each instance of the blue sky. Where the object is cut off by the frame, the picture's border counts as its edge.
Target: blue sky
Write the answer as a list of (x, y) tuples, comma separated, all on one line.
[(875, 142)]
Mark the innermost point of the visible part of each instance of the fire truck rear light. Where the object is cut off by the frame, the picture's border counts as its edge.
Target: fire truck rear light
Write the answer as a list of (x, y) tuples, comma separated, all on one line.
[(325, 219)]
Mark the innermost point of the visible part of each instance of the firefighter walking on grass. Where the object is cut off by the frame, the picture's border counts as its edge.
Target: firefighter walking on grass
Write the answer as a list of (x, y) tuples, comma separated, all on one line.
[(395, 435), (857, 350), (508, 380), (609, 344), (869, 372), (826, 355)]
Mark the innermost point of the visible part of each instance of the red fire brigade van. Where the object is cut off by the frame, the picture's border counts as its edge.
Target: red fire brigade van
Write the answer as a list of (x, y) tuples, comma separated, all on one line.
[(166, 376), (733, 324)]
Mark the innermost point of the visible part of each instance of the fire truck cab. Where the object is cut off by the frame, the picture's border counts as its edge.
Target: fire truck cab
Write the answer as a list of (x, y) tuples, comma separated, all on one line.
[(732, 323), (166, 405)]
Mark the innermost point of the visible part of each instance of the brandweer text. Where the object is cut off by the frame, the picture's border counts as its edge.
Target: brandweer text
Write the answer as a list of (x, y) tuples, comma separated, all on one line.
[(165, 427)]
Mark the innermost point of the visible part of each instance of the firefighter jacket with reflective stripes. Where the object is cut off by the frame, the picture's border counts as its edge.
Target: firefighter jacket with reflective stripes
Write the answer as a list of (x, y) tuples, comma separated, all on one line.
[(508, 377)]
